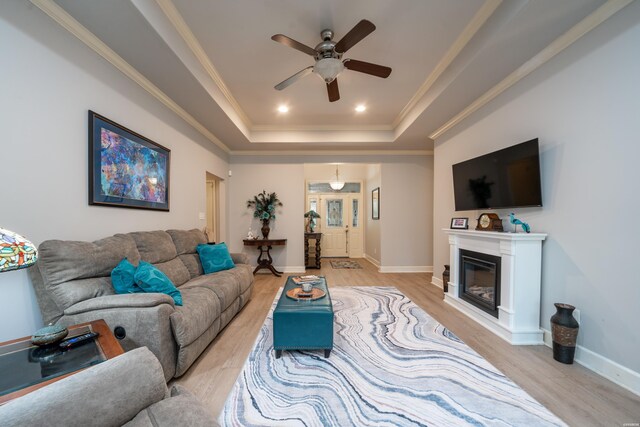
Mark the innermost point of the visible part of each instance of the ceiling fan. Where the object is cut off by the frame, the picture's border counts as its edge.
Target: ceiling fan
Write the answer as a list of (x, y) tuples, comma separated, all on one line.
[(328, 57)]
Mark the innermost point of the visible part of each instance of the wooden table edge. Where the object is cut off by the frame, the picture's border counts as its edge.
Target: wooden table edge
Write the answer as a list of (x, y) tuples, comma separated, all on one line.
[(110, 348)]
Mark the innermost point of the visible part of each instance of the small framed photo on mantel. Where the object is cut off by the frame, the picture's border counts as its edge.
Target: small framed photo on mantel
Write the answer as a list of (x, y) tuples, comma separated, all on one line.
[(460, 223)]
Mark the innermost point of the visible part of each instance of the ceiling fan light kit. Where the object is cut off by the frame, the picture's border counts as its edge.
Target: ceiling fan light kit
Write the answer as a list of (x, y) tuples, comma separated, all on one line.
[(328, 57), (328, 69)]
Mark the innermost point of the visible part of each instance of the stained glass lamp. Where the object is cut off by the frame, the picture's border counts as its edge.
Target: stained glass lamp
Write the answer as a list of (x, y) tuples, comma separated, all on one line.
[(16, 252)]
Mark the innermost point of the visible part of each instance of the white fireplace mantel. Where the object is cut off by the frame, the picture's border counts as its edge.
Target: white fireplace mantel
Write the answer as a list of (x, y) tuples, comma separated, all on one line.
[(518, 319)]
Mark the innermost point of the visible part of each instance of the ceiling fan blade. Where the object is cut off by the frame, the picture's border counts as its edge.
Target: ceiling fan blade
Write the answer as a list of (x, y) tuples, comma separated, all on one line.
[(288, 41), (357, 33), (368, 68), (297, 76), (332, 90)]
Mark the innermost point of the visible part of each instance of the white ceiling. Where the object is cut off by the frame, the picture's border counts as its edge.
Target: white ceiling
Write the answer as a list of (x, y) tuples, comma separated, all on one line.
[(216, 61)]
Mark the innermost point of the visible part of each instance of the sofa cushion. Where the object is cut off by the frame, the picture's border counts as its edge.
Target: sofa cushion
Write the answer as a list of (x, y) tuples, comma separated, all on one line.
[(200, 309), (154, 246), (193, 264), (67, 294), (225, 284), (181, 409), (122, 278), (61, 261), (175, 271), (150, 279), (187, 240), (244, 273), (215, 258)]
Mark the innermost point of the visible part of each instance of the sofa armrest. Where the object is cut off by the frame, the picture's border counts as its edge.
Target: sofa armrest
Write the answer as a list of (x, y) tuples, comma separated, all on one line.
[(240, 258), (119, 301), (108, 394), (143, 320)]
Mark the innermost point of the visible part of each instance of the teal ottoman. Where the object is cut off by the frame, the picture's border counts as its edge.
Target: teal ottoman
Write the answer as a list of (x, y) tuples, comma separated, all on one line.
[(303, 325)]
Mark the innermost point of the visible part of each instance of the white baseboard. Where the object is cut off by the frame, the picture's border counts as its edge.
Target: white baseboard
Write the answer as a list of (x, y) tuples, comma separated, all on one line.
[(372, 260), (436, 281), (599, 364), (406, 269), (289, 269)]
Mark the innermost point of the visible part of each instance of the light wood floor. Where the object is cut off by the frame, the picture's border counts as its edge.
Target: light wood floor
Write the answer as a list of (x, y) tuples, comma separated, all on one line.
[(572, 392)]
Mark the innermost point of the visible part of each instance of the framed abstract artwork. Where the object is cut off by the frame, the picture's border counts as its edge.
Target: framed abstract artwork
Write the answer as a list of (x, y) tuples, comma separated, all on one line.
[(375, 203), (125, 168)]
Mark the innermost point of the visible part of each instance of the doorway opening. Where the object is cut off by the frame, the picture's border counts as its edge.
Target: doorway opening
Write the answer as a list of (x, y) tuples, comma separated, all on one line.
[(341, 212), (212, 228)]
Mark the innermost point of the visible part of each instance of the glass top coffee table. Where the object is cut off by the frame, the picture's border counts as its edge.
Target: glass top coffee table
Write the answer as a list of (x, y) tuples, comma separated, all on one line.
[(26, 367)]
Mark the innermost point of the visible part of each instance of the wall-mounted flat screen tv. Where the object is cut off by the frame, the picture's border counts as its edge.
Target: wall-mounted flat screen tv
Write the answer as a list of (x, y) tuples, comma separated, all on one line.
[(506, 178)]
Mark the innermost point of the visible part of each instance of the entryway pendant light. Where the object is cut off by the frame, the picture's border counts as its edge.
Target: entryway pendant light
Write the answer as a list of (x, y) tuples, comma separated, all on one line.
[(337, 185)]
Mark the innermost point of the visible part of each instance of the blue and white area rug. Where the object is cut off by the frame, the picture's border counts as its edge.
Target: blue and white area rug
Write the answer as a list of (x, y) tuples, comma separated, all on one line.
[(391, 365)]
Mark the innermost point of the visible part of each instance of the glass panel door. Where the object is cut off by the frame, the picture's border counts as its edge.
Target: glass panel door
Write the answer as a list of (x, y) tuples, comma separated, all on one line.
[(334, 213), (335, 226)]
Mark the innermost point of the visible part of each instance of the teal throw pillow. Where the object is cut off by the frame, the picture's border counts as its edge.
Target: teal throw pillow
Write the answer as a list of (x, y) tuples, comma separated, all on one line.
[(215, 257), (122, 278), (150, 279)]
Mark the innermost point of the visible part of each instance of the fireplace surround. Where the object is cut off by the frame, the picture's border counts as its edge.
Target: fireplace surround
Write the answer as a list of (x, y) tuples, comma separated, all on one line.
[(480, 280), (517, 295)]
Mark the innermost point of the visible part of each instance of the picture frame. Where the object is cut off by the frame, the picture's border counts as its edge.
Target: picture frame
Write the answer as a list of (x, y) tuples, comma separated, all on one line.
[(375, 203), (125, 168), (460, 223)]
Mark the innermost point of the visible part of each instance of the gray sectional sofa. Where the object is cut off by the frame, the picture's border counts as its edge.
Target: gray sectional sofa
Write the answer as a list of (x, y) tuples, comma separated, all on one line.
[(73, 285)]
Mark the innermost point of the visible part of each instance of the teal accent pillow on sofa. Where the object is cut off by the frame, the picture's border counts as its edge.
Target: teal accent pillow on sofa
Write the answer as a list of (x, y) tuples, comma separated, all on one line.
[(215, 257), (150, 279), (122, 278)]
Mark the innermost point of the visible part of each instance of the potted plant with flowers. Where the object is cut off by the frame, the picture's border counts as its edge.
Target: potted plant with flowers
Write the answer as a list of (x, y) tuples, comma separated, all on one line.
[(264, 208)]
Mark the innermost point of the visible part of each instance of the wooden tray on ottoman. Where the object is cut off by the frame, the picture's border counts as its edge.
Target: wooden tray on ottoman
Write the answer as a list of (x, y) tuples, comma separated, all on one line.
[(299, 295)]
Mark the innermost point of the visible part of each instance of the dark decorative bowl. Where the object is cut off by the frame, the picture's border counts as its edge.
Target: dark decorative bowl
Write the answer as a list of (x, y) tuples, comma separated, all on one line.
[(49, 335)]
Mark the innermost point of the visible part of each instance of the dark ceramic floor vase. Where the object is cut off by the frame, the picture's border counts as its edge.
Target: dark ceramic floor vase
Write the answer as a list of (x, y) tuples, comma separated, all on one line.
[(564, 330)]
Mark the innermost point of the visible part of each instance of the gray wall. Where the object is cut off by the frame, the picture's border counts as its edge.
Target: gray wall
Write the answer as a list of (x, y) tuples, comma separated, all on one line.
[(373, 249), (406, 216), (48, 84), (584, 105), (406, 212), (251, 177)]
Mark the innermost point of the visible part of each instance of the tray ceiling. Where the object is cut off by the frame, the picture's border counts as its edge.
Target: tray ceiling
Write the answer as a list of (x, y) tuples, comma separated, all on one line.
[(216, 62)]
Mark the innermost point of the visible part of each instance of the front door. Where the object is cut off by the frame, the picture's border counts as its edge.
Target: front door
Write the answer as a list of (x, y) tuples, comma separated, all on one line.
[(335, 226)]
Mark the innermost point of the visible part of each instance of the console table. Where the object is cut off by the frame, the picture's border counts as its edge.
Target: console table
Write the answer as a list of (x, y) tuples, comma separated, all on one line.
[(318, 238), (264, 246)]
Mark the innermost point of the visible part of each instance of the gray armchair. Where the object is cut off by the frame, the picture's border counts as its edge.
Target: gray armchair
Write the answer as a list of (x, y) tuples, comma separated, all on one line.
[(127, 390)]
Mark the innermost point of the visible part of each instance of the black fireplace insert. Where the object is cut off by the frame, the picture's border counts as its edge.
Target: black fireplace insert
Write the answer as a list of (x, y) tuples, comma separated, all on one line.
[(480, 280)]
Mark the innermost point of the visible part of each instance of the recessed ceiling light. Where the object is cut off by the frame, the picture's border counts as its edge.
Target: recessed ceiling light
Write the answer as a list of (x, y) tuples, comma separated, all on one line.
[(360, 108), (283, 109)]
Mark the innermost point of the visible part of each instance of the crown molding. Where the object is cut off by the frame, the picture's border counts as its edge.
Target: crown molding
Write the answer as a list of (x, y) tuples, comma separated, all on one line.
[(328, 134), (178, 22), (321, 128), (334, 153), (478, 20), (58, 14), (597, 17)]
